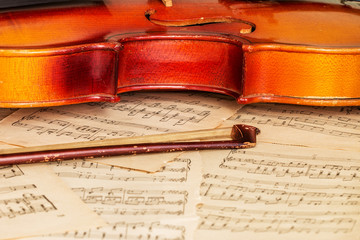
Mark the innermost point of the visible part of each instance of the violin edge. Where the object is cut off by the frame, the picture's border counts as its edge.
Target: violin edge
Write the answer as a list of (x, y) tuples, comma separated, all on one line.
[(249, 68)]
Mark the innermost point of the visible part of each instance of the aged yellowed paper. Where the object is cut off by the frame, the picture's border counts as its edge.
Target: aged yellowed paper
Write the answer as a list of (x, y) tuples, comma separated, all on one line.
[(327, 127), (135, 115), (34, 202), (280, 192), (136, 205)]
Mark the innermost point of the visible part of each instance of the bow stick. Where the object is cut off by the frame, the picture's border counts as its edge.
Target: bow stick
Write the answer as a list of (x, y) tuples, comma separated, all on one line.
[(242, 136)]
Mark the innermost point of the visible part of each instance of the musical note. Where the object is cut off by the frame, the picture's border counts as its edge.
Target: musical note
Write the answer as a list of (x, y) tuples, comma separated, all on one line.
[(280, 190), (129, 201), (290, 124), (34, 192), (137, 114), (9, 189), (129, 231), (10, 171), (27, 204), (294, 166), (138, 197), (176, 171), (280, 226)]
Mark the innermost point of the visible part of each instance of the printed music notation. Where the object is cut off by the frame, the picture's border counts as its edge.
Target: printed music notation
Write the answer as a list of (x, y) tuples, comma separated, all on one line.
[(238, 211), (257, 195), (239, 220), (282, 190), (279, 184), (162, 196), (161, 111), (278, 225), (135, 115), (323, 121), (9, 189), (38, 123), (24, 195), (251, 191), (129, 199), (291, 165), (176, 109), (173, 201), (333, 128), (129, 231), (27, 204), (134, 202), (277, 192), (177, 171), (10, 171), (168, 195)]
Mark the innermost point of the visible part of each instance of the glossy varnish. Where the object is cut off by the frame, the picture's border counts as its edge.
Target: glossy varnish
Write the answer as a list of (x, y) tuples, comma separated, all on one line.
[(289, 52)]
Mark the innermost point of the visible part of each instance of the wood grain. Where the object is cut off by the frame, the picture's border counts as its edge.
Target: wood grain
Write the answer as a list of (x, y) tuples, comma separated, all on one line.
[(295, 52)]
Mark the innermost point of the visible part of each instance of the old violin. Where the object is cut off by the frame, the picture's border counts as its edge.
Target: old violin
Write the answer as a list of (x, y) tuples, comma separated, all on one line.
[(256, 51)]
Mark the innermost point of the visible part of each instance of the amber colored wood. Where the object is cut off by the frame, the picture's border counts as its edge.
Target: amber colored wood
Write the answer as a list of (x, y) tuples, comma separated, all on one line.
[(268, 51)]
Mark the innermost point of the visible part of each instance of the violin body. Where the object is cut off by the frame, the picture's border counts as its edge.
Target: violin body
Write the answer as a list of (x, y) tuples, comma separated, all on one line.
[(287, 52)]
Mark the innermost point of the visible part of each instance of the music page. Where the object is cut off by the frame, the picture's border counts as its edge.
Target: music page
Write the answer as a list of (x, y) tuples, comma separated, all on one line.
[(136, 114), (33, 202), (329, 127), (135, 204), (279, 192)]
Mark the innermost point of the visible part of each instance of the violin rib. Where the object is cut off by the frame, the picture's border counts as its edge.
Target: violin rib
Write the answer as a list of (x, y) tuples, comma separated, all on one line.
[(57, 76), (286, 52), (332, 79)]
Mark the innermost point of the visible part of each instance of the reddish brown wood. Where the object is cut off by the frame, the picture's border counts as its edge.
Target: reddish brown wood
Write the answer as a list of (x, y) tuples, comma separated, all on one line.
[(58, 155), (243, 136), (287, 51), (187, 64)]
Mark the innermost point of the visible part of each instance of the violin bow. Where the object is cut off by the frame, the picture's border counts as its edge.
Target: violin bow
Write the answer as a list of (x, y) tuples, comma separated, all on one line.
[(242, 136)]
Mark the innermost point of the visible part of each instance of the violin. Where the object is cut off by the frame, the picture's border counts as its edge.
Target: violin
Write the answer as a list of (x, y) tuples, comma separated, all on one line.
[(255, 51)]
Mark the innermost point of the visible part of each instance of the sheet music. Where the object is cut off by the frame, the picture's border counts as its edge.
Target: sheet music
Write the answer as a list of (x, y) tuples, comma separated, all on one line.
[(33, 202), (280, 192), (161, 204), (136, 114), (296, 188), (329, 127), (126, 230)]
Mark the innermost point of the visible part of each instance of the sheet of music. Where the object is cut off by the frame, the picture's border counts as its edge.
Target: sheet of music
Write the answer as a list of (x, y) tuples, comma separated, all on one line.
[(136, 205), (301, 181), (279, 192), (126, 198), (329, 127), (136, 114), (33, 201)]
